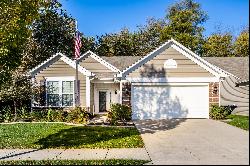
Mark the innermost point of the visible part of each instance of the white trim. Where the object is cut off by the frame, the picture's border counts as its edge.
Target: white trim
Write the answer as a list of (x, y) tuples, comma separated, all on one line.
[(120, 97), (186, 52), (103, 81), (65, 78), (175, 79), (219, 93), (87, 91), (99, 59), (208, 102), (55, 58)]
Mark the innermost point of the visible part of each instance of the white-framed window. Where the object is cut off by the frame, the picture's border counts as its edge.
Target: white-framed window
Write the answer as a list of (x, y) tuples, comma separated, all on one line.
[(60, 91)]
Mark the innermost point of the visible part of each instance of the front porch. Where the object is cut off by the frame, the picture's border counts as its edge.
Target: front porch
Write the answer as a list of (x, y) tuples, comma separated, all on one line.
[(102, 94)]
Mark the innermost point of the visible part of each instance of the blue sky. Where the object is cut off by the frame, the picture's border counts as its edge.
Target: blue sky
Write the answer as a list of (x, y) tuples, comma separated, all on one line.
[(96, 17)]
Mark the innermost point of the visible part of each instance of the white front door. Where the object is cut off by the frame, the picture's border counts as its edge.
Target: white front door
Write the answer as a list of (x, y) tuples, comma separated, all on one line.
[(165, 101)]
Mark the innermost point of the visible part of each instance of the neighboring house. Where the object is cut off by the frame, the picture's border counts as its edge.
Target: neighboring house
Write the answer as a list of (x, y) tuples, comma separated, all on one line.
[(235, 88), (169, 82)]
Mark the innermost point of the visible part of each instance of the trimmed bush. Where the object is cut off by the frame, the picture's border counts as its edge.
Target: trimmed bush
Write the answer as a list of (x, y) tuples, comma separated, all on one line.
[(219, 112), (78, 115), (119, 113)]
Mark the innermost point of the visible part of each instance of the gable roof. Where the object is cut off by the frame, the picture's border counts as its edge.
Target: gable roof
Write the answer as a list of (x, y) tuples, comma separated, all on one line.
[(99, 59), (55, 58), (216, 71)]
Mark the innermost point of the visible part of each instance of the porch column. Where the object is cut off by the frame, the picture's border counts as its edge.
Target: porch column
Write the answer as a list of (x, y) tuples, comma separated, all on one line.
[(120, 92), (87, 93)]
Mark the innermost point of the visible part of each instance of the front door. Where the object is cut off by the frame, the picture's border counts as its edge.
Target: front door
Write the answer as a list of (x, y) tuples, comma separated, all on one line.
[(102, 101)]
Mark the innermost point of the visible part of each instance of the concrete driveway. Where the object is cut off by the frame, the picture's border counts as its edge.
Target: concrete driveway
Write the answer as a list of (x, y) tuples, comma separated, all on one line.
[(194, 141)]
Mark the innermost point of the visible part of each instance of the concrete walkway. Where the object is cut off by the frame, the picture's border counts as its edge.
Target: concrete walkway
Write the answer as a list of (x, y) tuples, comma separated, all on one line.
[(73, 154), (194, 142)]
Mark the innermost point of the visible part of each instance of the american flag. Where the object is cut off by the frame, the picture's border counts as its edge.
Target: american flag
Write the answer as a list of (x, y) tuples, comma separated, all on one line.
[(78, 44)]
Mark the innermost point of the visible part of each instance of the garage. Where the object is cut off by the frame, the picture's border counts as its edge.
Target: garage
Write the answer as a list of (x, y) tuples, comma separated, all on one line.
[(170, 101)]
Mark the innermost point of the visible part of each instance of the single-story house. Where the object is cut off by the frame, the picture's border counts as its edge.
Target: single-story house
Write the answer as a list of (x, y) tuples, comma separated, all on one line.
[(169, 82)]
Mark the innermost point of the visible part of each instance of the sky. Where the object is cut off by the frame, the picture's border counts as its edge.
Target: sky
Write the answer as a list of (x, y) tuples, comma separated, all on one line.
[(97, 17)]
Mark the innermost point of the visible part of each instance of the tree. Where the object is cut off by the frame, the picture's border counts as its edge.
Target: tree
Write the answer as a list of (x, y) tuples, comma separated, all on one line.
[(115, 44), (53, 32), (218, 45), (16, 18), (126, 43), (149, 36), (241, 44), (185, 21), (17, 91)]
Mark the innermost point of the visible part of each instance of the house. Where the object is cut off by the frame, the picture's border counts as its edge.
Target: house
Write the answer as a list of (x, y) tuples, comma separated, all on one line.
[(169, 82), (234, 89)]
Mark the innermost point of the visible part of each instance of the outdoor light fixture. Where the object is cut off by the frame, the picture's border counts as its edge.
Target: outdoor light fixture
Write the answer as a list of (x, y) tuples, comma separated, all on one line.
[(115, 91), (215, 90)]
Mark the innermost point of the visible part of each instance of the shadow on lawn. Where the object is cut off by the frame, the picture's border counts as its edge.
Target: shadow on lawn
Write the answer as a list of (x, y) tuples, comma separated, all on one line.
[(86, 137)]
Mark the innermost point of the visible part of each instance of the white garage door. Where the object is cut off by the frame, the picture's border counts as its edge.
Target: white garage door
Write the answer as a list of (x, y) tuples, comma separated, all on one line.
[(162, 102)]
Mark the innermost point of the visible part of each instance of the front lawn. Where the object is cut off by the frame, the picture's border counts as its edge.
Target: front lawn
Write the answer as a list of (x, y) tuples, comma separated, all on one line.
[(239, 121), (56, 135), (74, 162)]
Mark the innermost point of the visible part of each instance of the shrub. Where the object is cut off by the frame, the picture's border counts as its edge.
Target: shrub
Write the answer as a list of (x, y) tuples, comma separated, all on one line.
[(219, 112), (78, 115), (49, 115), (38, 115), (6, 115), (119, 112)]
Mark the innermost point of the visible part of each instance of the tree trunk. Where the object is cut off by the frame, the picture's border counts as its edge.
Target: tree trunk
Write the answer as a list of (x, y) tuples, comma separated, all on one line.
[(15, 109)]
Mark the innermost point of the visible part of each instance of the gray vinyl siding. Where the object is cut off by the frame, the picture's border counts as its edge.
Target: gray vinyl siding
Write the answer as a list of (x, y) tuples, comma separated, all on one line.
[(185, 66), (61, 69), (230, 94)]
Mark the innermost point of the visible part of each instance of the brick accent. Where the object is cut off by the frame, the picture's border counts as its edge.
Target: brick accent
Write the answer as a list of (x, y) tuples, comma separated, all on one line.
[(126, 93), (213, 93)]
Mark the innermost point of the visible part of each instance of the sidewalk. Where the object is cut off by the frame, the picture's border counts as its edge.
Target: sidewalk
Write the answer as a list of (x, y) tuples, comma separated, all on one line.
[(73, 154)]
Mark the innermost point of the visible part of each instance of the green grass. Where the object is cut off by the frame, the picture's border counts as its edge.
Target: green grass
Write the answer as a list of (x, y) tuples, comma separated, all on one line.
[(74, 162), (56, 135), (239, 121)]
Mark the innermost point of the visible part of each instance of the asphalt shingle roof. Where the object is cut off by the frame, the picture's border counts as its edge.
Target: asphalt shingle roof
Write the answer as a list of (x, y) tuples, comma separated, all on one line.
[(238, 66)]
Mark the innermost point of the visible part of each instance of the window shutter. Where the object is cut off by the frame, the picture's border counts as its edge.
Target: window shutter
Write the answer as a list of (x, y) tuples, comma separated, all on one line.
[(43, 92)]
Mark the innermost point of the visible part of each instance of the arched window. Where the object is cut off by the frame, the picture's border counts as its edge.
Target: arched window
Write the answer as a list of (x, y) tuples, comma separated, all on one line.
[(170, 63)]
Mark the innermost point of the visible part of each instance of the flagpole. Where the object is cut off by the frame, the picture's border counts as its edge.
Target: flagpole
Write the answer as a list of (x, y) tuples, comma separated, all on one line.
[(77, 91)]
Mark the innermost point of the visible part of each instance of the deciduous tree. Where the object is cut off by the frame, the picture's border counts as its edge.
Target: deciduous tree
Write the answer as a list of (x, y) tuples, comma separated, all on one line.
[(219, 45), (184, 24), (241, 44)]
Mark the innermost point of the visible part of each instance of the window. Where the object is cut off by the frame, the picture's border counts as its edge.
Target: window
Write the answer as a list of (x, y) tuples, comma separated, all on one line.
[(60, 92), (170, 63), (67, 93), (53, 95)]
